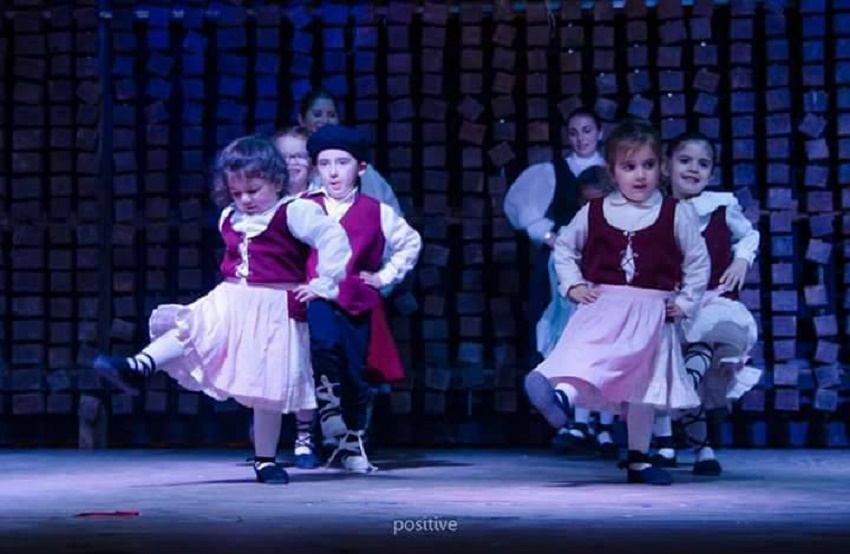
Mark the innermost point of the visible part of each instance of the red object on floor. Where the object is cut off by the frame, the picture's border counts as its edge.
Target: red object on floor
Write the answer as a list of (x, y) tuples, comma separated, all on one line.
[(383, 363), (117, 513)]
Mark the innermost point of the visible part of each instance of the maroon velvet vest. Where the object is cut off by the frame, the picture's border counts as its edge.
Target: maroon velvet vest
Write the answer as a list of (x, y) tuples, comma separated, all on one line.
[(275, 257), (718, 240), (362, 224), (658, 260)]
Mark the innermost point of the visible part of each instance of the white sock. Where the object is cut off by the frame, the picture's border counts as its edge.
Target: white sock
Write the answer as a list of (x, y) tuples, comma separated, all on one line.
[(158, 353), (639, 420), (266, 433), (582, 416), (663, 428), (705, 453), (569, 390), (606, 419), (668, 453)]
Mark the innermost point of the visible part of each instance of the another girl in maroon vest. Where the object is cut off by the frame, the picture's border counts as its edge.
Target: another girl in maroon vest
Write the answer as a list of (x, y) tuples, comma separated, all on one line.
[(248, 338), (722, 335), (384, 249), (634, 262)]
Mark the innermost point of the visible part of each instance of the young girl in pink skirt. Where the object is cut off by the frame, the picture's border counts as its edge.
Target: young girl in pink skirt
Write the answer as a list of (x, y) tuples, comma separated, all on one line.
[(248, 339), (634, 262), (719, 339)]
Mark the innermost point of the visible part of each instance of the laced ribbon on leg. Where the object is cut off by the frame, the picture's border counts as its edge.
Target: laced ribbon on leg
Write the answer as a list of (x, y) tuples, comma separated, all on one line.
[(351, 444), (698, 362), (695, 417), (330, 407), (304, 436)]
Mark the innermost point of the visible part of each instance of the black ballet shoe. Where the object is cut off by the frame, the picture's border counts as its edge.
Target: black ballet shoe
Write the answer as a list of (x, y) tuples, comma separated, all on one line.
[(270, 473), (663, 461), (566, 441), (608, 450), (707, 468), (116, 370), (650, 475), (307, 461)]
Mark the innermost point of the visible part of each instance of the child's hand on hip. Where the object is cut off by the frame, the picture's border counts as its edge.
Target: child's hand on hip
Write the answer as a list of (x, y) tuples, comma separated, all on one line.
[(371, 279), (582, 294), (674, 311), (303, 293), (733, 277)]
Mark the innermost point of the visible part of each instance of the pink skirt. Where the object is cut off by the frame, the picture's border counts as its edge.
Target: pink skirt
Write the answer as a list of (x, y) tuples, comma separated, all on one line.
[(240, 342), (619, 350), (731, 330)]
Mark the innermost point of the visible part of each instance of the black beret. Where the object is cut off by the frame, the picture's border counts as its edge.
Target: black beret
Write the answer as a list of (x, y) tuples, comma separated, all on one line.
[(338, 137)]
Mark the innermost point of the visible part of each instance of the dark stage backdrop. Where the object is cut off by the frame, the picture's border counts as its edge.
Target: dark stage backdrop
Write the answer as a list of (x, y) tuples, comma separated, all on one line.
[(112, 113)]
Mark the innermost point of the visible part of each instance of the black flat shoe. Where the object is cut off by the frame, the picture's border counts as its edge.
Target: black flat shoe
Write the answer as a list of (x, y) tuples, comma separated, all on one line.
[(270, 473), (608, 450), (707, 468), (115, 370), (650, 475), (664, 461)]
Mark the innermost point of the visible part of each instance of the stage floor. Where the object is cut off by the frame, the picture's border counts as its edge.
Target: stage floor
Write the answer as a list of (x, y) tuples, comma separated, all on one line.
[(527, 501)]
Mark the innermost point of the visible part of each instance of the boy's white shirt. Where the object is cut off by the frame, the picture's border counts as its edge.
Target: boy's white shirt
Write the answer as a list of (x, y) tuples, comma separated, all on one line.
[(372, 184), (402, 242)]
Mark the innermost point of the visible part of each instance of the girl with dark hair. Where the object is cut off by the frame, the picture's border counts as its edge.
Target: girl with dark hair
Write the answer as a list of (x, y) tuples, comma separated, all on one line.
[(718, 341), (248, 339)]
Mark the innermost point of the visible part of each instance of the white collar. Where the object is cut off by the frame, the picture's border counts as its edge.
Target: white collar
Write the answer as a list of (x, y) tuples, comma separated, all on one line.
[(583, 163), (265, 213), (707, 202), (616, 198), (352, 196)]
